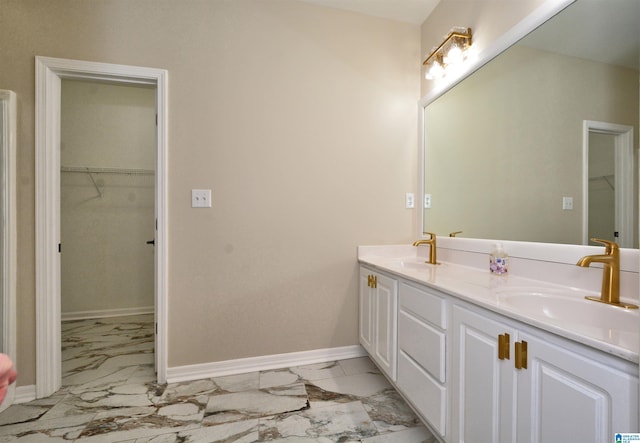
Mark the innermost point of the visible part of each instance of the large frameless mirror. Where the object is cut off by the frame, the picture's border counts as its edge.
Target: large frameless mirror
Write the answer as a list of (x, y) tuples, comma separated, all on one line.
[(540, 144)]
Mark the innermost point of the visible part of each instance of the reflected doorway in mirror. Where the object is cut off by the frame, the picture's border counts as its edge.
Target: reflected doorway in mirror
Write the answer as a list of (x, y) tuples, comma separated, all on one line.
[(608, 182)]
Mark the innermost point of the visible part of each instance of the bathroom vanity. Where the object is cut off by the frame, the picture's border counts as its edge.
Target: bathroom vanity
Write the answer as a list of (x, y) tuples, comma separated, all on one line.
[(522, 357), (486, 358)]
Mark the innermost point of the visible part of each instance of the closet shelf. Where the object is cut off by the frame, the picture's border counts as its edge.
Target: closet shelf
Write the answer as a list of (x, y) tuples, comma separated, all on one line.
[(91, 171), (607, 178), (88, 170)]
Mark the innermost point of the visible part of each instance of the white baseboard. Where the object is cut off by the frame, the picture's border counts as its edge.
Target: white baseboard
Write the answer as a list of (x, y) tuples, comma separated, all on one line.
[(263, 363), (25, 394), (103, 313)]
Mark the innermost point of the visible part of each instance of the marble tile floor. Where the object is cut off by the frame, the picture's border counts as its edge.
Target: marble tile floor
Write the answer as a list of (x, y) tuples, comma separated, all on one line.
[(109, 394)]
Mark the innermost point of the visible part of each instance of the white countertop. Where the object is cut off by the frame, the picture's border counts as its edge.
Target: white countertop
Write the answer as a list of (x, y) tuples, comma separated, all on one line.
[(487, 290)]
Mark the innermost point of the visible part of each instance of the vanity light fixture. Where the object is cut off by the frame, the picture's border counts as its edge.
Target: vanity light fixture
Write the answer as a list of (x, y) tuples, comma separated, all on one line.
[(446, 58)]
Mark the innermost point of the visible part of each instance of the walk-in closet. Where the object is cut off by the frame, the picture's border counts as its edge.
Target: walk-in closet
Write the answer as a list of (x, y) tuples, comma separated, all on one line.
[(107, 200)]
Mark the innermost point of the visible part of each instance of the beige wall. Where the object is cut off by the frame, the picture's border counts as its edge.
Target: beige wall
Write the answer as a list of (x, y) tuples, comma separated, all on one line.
[(302, 121), (106, 265)]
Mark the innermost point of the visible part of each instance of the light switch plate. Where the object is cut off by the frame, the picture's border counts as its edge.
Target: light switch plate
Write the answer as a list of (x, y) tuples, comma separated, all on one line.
[(427, 201), (409, 200), (567, 203), (201, 198)]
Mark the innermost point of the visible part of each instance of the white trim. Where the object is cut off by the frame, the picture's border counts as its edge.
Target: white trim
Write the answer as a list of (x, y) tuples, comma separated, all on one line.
[(48, 358), (623, 178), (25, 394), (543, 13), (49, 72), (262, 363), (162, 230), (421, 170), (104, 313), (8, 273)]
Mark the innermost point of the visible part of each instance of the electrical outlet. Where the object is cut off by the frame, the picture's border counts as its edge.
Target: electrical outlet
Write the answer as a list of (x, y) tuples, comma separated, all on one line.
[(201, 198), (427, 201), (409, 200), (567, 203)]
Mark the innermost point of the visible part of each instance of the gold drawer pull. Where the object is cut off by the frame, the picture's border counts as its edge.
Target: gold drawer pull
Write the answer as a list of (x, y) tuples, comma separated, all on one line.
[(521, 355), (503, 346)]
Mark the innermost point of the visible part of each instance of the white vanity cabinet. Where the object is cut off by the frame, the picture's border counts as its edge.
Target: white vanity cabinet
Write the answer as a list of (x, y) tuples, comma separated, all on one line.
[(534, 386), (483, 379), (378, 316), (571, 396), (422, 352)]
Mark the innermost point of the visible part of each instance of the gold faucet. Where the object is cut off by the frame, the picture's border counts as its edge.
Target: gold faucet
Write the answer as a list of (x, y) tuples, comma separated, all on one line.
[(611, 273), (432, 247)]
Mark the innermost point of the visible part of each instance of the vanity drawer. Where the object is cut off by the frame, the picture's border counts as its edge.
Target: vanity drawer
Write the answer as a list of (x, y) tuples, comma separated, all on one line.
[(423, 343), (423, 392), (426, 305)]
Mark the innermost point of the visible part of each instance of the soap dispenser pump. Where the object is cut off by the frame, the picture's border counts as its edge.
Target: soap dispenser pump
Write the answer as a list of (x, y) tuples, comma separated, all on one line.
[(498, 260)]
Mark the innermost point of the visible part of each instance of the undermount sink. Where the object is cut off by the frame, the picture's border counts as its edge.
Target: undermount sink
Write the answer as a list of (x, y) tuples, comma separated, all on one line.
[(569, 307), (413, 263)]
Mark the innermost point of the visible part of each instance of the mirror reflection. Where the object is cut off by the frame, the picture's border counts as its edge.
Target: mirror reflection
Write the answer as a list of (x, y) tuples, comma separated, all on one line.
[(541, 143)]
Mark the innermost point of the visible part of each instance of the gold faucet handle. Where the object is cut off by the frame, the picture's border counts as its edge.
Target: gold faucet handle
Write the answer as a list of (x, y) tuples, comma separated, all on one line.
[(453, 234), (430, 234), (610, 246)]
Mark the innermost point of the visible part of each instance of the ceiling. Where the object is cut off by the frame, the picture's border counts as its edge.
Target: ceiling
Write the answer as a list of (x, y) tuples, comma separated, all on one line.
[(409, 11), (604, 31)]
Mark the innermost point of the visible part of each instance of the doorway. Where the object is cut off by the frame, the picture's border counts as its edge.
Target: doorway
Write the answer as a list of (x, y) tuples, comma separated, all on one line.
[(107, 215), (608, 199), (49, 74), (107, 199), (602, 222)]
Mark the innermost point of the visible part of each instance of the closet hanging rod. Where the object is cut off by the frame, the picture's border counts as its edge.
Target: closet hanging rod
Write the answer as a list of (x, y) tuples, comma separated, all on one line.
[(107, 170)]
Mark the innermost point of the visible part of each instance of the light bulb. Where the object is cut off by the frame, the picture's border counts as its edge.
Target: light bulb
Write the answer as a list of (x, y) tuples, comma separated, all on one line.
[(435, 71), (454, 55), (452, 70)]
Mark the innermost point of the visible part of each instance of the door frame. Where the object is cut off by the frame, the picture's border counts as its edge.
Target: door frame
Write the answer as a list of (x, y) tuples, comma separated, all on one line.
[(623, 178), (8, 273), (49, 73)]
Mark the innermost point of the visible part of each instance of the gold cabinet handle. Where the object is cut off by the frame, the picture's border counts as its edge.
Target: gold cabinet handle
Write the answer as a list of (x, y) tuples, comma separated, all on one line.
[(372, 281), (375, 281), (369, 280), (521, 355), (504, 347)]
